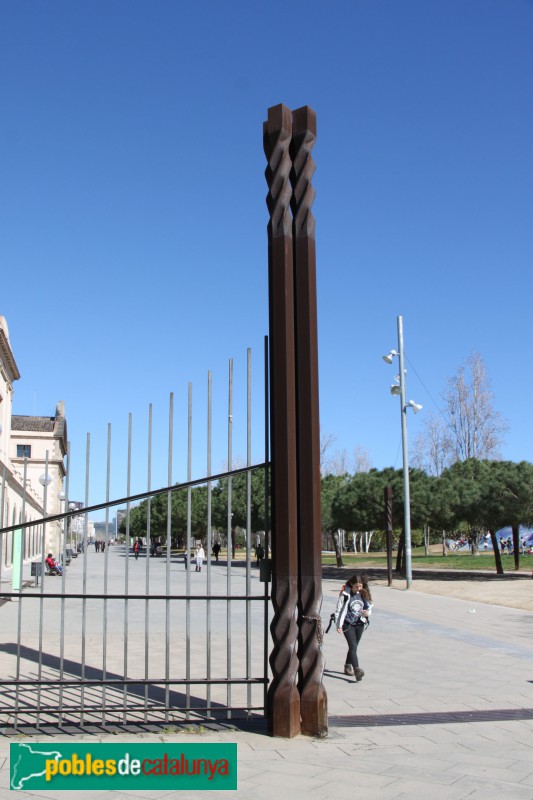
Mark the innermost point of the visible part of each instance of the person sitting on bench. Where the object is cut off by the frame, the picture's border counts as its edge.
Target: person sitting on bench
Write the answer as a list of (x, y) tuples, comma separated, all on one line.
[(53, 567)]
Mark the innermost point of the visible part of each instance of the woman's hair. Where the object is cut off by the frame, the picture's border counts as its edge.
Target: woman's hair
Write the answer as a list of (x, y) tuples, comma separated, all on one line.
[(365, 591)]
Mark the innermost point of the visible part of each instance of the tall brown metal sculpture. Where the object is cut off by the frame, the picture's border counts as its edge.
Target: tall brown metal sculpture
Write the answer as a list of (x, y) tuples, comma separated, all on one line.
[(283, 696), (297, 698), (313, 698)]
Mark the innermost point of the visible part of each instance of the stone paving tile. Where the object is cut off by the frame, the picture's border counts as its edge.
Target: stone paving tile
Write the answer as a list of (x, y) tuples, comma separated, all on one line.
[(427, 762), (296, 767), (414, 772), (343, 779), (495, 773), (515, 726), (341, 760), (418, 746), (407, 789), (493, 790), (438, 734), (252, 757), (523, 740), (387, 749), (461, 757), (298, 780)]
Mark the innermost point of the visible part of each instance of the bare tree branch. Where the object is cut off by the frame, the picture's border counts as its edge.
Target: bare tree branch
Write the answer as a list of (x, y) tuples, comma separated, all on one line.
[(470, 426)]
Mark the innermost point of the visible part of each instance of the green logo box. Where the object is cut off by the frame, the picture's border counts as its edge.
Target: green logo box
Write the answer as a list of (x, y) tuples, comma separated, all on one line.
[(122, 766)]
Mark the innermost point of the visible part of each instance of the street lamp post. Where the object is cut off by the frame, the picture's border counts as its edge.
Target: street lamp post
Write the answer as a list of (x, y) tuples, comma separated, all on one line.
[(73, 532), (45, 479), (61, 498), (398, 389)]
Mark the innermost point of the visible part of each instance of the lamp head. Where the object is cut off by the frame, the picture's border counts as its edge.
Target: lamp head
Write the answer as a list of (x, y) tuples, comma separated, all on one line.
[(389, 357), (415, 406), (45, 479), (395, 389)]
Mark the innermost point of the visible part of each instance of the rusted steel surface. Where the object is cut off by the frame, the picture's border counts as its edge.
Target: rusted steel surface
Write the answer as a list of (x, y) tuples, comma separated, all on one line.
[(388, 528), (313, 697), (283, 695)]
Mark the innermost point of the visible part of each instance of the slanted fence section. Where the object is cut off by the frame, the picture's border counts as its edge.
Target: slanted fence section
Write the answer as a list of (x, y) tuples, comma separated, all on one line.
[(143, 635)]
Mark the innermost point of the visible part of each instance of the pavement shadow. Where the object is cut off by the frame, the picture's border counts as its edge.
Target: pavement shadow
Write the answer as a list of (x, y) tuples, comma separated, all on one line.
[(93, 678), (338, 676), (380, 573)]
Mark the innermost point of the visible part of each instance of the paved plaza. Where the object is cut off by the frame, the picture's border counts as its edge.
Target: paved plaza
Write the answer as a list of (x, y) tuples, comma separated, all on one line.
[(445, 710)]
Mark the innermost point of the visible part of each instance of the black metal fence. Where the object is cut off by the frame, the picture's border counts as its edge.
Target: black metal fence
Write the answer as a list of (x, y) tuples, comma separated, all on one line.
[(158, 632)]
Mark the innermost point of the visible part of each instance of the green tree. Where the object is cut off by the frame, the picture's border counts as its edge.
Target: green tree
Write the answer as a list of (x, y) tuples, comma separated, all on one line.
[(509, 501), (331, 484), (467, 484)]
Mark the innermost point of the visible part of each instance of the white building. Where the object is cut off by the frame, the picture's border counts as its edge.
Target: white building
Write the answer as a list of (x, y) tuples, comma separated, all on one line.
[(24, 444)]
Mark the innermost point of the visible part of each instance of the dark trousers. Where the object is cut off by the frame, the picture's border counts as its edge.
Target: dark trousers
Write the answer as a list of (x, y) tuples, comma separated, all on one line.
[(352, 634)]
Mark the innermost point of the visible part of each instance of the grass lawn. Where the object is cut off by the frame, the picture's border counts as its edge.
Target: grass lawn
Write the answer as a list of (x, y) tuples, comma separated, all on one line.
[(434, 561)]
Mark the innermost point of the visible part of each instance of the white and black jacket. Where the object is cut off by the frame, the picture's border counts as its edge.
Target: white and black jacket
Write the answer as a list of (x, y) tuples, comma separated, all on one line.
[(353, 605)]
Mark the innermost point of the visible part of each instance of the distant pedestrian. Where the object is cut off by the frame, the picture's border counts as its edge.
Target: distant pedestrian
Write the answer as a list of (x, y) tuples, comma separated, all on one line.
[(216, 551), (136, 548), (259, 553), (200, 555)]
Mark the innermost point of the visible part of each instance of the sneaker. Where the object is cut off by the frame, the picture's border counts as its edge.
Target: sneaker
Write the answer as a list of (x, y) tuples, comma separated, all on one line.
[(358, 674), (348, 669)]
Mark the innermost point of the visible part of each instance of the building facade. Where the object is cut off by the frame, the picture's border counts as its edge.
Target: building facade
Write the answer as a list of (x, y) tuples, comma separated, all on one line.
[(27, 445)]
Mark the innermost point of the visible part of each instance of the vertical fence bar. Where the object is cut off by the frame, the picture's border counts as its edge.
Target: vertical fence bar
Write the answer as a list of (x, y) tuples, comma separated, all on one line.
[(148, 554), (249, 527), (229, 535), (209, 538), (41, 599), (188, 602), (19, 567), (2, 501), (63, 592), (167, 572), (127, 572), (106, 567), (84, 591)]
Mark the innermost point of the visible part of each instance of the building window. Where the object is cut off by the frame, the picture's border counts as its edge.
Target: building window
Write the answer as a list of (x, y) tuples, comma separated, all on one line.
[(24, 451)]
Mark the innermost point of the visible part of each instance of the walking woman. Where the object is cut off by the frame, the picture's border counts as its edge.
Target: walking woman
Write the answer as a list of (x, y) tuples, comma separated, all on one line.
[(351, 618)]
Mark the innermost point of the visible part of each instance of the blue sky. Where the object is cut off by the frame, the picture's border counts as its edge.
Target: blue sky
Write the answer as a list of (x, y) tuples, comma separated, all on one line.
[(133, 245)]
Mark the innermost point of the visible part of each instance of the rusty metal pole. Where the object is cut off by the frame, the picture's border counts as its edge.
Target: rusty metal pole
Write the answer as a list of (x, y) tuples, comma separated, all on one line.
[(313, 697), (283, 696), (388, 528)]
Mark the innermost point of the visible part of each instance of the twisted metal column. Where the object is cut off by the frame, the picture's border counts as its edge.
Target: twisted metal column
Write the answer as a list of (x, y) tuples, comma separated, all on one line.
[(313, 697), (283, 696)]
